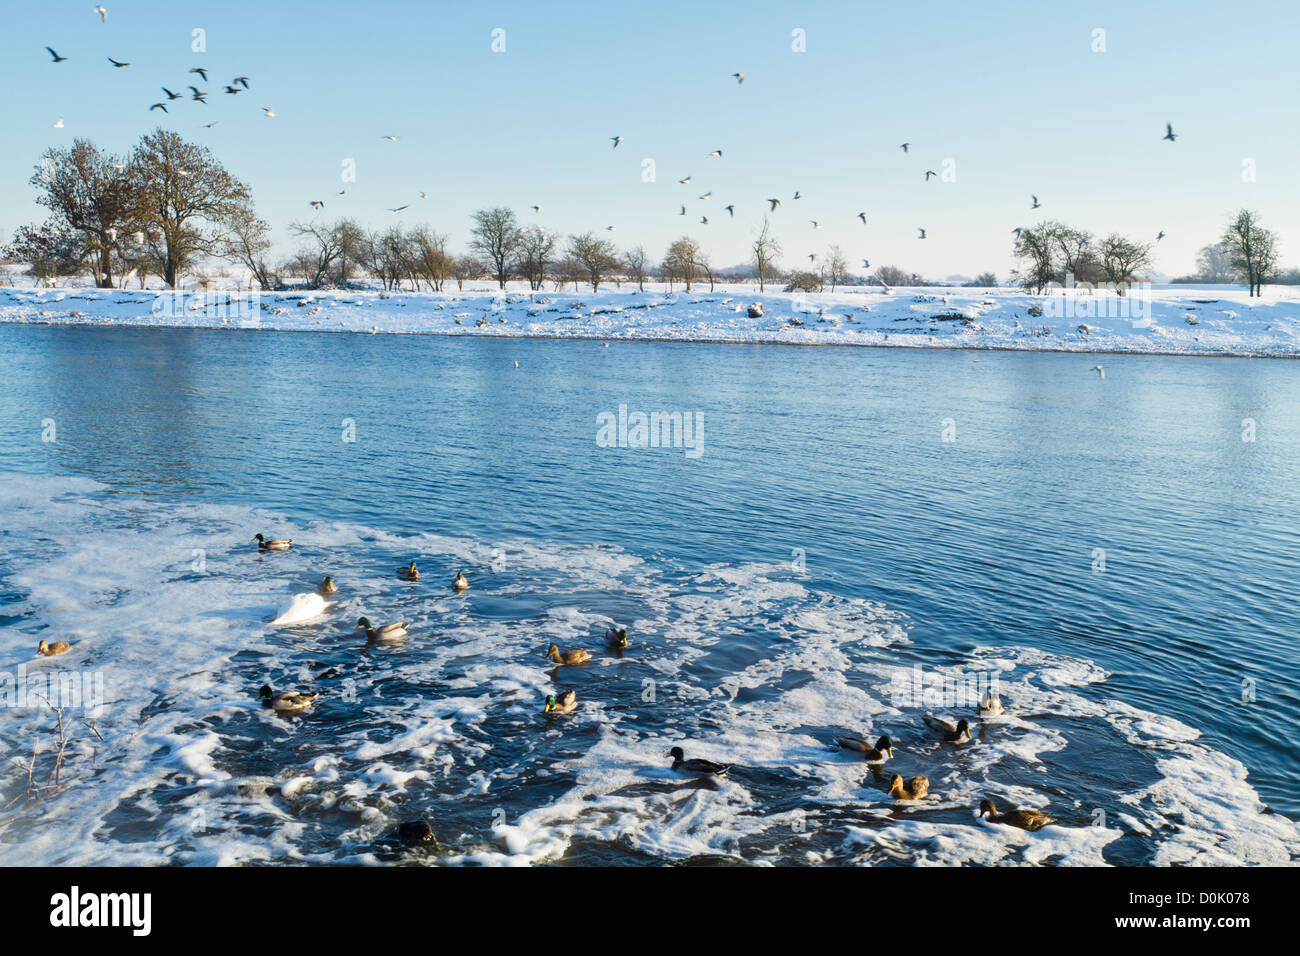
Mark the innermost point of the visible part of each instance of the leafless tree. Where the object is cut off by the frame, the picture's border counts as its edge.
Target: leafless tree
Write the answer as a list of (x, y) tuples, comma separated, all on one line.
[(496, 236), (636, 263), (316, 260), (836, 266), (1122, 259), (766, 251), (534, 253), (596, 255), (1253, 249), (682, 260), (248, 243)]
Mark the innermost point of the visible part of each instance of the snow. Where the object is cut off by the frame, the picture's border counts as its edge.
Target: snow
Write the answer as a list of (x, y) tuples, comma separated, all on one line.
[(1189, 320)]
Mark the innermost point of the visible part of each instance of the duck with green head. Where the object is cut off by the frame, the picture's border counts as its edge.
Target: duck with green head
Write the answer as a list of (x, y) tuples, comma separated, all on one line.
[(286, 704), (881, 751), (696, 766), (411, 573), (957, 733), (563, 703), (272, 544), (389, 632), (616, 638)]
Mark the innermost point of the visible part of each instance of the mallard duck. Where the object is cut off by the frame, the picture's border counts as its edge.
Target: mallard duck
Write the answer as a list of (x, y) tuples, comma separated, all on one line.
[(1024, 819), (47, 649), (951, 733), (461, 583), (883, 749), (616, 637), (275, 544), (389, 632), (304, 607), (562, 703), (577, 656), (696, 766), (409, 574), (289, 703), (914, 789), (990, 704)]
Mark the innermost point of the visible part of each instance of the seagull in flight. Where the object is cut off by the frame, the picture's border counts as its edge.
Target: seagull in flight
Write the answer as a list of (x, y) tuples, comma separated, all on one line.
[(684, 181), (158, 106), (797, 195), (103, 14), (775, 203), (199, 97), (732, 210), (904, 146), (1101, 372), (617, 140), (863, 217), (397, 210), (929, 173), (57, 58), (59, 123), (740, 78), (716, 152), (201, 72), (241, 80), (270, 113), (816, 224), (704, 220), (610, 228), (683, 210), (1169, 132), (921, 231), (537, 209), (391, 139), (1161, 236), (1036, 202), (117, 63), (171, 95), (317, 204), (706, 195)]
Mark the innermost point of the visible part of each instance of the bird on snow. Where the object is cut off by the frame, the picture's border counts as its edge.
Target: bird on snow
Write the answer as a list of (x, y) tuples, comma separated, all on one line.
[(1169, 133)]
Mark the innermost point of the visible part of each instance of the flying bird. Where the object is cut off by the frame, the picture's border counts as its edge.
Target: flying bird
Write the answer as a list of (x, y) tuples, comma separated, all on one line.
[(812, 257), (232, 91), (1017, 231), (158, 106), (270, 113), (683, 210), (863, 217), (740, 78), (171, 95), (59, 124), (929, 173), (866, 263), (241, 80), (317, 204), (57, 58), (537, 209), (397, 210), (684, 181), (732, 210), (1161, 236), (706, 195), (1101, 372), (117, 63), (199, 97), (921, 231), (610, 228), (201, 72), (423, 194), (904, 146), (797, 194), (775, 203), (391, 139), (1169, 133), (716, 152), (816, 224), (617, 140), (1036, 202), (210, 125), (103, 14), (704, 220)]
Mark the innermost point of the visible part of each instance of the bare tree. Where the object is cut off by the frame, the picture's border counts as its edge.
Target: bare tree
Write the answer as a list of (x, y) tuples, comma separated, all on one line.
[(891, 275), (351, 240), (50, 249), (836, 266), (682, 260), (1122, 259), (1035, 247), (534, 253), (248, 243), (1253, 249), (496, 236), (1214, 263), (187, 196), (464, 268), (315, 261), (92, 198), (597, 256), (766, 251), (635, 260), (429, 260)]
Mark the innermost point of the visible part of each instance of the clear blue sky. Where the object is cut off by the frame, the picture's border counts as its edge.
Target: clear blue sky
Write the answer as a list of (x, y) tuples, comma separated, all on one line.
[(1011, 92)]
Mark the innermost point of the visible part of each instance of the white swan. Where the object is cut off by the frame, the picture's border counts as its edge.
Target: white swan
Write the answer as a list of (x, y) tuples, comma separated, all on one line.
[(304, 607)]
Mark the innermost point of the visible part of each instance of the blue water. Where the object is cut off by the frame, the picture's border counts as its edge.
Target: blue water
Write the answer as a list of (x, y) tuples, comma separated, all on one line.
[(990, 541)]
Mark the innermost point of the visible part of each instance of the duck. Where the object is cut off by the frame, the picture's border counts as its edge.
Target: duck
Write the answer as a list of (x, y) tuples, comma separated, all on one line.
[(303, 607), (409, 574), (1024, 819), (882, 751), (46, 649), (389, 632), (990, 704), (697, 767), (576, 656), (415, 833), (461, 583), (914, 789), (561, 703), (274, 544), (289, 703), (950, 732), (616, 637)]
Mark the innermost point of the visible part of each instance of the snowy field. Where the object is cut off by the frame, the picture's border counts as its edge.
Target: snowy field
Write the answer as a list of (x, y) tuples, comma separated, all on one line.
[(1190, 320)]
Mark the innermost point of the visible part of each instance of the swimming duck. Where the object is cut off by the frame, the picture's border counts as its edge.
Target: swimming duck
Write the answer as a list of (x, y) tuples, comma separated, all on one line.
[(47, 649), (950, 732), (275, 544), (577, 656), (303, 607), (1024, 819), (990, 704), (288, 703), (696, 766), (883, 750), (461, 583), (562, 703), (415, 833), (409, 574), (616, 637), (389, 632), (914, 789)]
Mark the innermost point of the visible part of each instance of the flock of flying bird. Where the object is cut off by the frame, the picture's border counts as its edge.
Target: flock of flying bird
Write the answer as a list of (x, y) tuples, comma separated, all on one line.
[(236, 86), (305, 607)]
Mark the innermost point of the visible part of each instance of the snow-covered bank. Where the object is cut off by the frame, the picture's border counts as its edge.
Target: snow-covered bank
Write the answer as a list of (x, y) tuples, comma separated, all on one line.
[(1185, 320)]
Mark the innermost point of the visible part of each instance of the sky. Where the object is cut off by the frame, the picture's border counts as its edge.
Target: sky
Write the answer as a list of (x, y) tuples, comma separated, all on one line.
[(1007, 99)]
